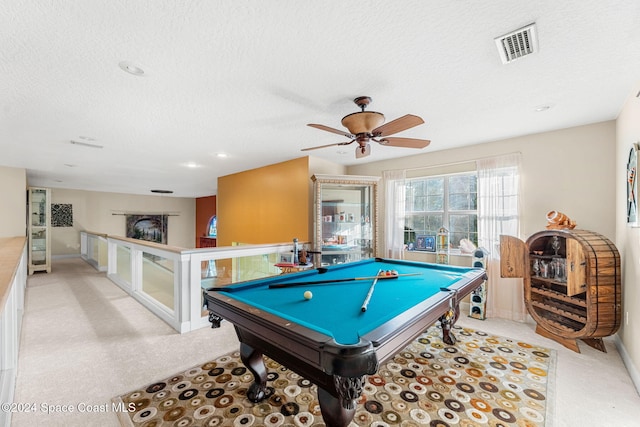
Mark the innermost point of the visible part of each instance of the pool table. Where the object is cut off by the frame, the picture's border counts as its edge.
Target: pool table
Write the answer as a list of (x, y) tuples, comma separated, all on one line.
[(329, 339)]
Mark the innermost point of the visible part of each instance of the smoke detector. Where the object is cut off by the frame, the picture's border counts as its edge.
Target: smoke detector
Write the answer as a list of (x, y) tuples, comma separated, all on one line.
[(517, 44)]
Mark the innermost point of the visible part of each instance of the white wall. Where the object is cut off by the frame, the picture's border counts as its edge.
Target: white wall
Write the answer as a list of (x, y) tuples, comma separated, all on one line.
[(93, 211), (569, 170), (322, 166), (13, 193), (628, 238)]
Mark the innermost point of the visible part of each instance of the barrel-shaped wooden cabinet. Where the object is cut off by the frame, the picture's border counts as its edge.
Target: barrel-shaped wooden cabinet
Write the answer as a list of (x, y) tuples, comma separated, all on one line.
[(572, 285)]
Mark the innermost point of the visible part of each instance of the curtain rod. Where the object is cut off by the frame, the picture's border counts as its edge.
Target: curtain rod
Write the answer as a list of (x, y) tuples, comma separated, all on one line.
[(461, 162)]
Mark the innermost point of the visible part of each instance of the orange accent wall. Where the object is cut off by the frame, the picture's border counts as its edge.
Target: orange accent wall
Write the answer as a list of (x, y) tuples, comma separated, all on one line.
[(265, 205), (205, 209)]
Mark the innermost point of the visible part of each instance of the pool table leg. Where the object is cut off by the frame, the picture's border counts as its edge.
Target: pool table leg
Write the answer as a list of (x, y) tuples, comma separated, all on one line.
[(447, 321), (252, 359), (339, 411)]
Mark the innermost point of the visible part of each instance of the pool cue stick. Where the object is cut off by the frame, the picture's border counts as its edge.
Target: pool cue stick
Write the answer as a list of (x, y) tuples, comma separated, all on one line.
[(219, 289), (350, 279), (373, 285)]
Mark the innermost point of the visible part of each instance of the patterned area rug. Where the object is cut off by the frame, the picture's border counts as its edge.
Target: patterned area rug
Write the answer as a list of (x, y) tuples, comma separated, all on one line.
[(483, 380)]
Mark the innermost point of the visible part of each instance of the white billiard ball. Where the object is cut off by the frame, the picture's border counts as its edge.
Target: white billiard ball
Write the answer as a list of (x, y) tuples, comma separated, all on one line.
[(308, 295)]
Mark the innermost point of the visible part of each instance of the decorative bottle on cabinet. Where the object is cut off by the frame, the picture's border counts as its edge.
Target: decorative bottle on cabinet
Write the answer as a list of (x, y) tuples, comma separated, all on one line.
[(572, 286), (39, 200), (442, 246)]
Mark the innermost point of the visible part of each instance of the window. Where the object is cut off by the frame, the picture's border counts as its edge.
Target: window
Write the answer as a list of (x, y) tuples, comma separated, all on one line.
[(449, 201)]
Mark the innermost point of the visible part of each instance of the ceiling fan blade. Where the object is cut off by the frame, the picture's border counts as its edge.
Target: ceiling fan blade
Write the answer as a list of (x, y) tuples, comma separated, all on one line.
[(404, 142), (398, 125), (363, 151), (332, 130), (328, 145)]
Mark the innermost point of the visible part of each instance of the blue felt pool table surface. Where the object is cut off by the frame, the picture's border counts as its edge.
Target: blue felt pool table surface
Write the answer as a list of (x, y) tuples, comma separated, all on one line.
[(335, 308)]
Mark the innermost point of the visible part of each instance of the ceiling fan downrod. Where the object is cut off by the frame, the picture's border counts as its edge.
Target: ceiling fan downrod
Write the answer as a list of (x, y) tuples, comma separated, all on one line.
[(362, 102)]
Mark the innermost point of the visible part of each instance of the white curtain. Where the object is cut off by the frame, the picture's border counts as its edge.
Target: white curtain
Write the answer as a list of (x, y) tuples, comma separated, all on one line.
[(394, 191), (499, 194)]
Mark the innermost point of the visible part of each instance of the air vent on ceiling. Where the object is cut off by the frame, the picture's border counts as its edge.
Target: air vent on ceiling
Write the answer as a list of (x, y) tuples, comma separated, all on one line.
[(517, 44)]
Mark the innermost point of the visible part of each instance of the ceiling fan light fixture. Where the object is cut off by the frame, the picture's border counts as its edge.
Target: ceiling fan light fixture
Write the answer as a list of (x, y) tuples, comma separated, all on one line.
[(365, 126), (363, 121)]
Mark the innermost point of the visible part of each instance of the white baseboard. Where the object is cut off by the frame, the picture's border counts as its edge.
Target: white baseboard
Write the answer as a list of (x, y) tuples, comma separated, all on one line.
[(628, 363)]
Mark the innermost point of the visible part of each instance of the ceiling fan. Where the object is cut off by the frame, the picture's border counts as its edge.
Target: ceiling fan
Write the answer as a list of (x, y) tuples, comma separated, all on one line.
[(365, 126)]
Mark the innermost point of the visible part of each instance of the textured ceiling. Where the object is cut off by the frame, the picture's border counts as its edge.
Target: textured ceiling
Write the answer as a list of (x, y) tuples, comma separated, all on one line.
[(245, 77)]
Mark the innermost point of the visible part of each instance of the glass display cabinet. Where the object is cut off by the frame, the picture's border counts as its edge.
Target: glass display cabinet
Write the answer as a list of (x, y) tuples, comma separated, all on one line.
[(39, 224), (346, 217)]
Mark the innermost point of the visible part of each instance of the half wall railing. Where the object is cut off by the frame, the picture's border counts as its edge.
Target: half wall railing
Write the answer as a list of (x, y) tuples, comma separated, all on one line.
[(13, 281), (169, 280)]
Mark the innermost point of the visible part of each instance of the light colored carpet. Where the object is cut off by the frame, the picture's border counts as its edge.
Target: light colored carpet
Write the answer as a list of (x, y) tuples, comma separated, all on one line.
[(85, 341)]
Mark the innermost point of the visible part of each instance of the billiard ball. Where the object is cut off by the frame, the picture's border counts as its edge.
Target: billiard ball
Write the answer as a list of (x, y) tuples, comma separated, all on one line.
[(308, 295)]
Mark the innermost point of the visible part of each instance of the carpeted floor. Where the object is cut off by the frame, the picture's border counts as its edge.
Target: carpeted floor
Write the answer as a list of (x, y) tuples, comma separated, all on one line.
[(482, 380)]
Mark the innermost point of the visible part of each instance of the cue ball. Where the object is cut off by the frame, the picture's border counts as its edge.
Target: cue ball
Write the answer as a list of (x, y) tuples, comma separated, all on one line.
[(308, 295)]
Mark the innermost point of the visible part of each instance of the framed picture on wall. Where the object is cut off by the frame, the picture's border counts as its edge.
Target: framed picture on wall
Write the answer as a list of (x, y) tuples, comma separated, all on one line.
[(147, 227), (632, 187)]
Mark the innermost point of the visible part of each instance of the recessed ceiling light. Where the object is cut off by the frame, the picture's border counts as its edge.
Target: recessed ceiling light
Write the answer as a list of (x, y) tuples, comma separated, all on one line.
[(222, 155), (131, 68), (192, 165)]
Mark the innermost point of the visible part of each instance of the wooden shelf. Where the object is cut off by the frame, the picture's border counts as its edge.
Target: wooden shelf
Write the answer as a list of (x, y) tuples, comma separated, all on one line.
[(546, 280), (561, 310), (563, 326), (558, 296)]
